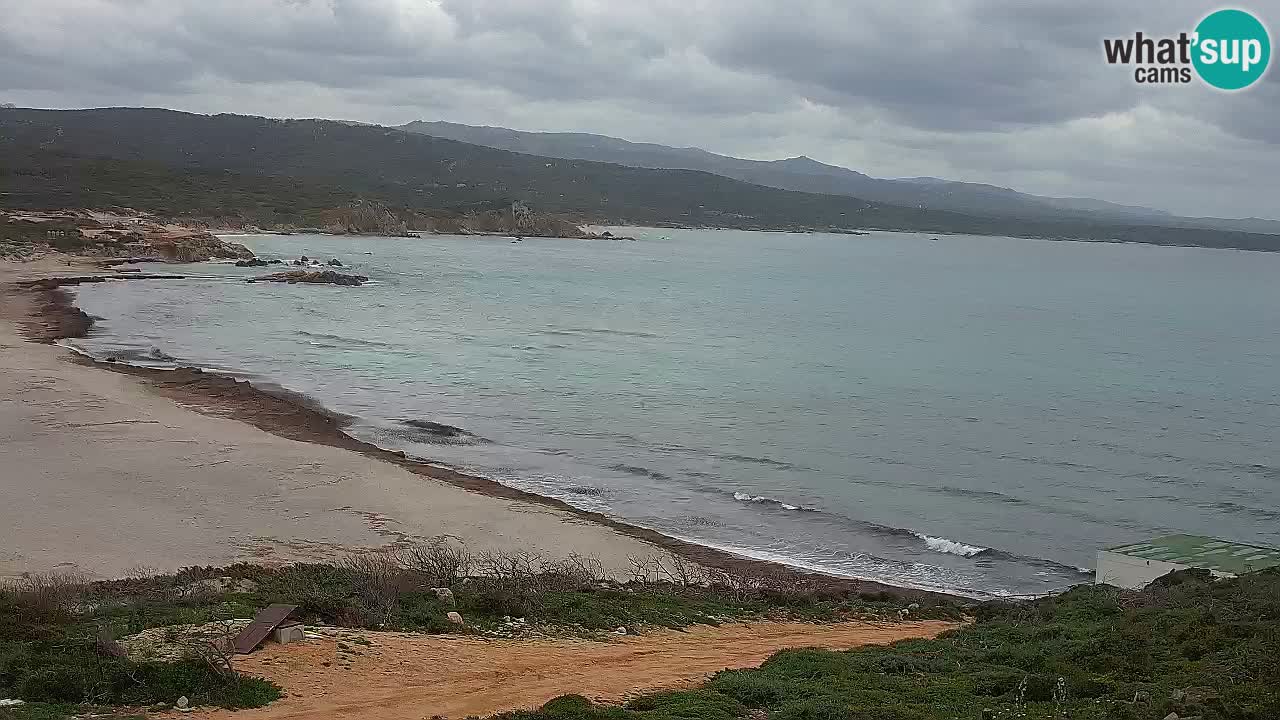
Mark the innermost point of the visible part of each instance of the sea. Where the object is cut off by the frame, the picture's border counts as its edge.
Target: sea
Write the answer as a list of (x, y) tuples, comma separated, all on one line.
[(971, 414)]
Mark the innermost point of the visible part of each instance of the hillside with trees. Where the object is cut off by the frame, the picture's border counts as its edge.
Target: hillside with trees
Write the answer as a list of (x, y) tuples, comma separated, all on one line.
[(291, 171)]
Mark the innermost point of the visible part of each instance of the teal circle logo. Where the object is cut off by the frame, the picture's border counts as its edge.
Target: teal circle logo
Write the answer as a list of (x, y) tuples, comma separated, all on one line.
[(1232, 49)]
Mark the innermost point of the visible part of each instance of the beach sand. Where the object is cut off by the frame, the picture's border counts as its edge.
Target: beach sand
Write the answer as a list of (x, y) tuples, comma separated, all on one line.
[(107, 469), (101, 474)]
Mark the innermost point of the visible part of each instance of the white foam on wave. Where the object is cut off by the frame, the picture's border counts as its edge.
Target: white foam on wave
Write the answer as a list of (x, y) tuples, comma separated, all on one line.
[(895, 580), (943, 545), (747, 497)]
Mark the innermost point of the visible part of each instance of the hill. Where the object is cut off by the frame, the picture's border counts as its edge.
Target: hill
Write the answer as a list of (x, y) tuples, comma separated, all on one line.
[(292, 170), (808, 175), (799, 173)]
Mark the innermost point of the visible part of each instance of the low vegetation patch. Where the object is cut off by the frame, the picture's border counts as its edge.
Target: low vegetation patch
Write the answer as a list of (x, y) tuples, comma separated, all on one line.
[(1186, 645), (57, 646), (154, 638)]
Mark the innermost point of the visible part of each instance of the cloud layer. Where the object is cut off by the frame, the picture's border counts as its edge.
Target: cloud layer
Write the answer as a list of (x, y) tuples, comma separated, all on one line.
[(1000, 91)]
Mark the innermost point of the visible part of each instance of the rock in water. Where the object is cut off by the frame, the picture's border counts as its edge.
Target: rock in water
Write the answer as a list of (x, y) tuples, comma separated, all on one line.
[(307, 276), (335, 262)]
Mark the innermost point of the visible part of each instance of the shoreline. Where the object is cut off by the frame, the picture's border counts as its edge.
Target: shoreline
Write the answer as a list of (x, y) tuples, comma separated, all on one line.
[(299, 418)]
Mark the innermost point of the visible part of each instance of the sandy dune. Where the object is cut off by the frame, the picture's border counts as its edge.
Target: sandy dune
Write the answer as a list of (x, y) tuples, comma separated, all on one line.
[(420, 676)]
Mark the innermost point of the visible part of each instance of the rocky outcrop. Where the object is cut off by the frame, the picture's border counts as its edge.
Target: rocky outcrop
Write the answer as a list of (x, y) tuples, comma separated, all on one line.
[(328, 277), (114, 236), (500, 222), (185, 245), (365, 217)]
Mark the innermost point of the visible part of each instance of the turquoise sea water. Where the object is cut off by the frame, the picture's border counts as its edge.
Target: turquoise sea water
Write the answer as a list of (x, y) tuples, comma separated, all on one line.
[(967, 413)]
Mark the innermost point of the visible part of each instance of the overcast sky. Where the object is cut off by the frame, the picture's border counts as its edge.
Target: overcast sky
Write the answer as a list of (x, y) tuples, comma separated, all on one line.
[(1009, 92)]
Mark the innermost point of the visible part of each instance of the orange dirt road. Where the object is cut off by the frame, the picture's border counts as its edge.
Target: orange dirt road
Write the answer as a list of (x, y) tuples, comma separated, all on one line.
[(411, 677)]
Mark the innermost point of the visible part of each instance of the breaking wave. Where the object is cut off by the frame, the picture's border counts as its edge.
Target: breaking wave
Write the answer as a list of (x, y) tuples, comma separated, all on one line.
[(951, 547), (748, 497)]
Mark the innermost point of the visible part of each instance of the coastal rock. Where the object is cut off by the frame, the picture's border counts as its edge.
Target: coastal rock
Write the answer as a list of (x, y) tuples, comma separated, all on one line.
[(444, 595), (177, 244), (135, 237), (441, 433), (365, 217), (455, 618), (334, 262), (252, 262), (329, 277)]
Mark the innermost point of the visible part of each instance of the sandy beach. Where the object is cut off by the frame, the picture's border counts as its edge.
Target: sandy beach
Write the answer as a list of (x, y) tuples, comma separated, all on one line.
[(102, 475)]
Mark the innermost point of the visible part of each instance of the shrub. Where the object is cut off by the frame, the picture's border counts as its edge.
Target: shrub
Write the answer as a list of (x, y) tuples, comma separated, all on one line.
[(442, 563), (995, 682)]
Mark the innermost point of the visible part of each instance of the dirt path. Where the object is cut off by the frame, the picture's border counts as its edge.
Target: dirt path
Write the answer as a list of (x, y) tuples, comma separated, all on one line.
[(415, 676)]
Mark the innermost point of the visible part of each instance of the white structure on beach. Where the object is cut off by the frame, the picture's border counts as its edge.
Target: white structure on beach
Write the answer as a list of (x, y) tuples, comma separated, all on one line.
[(1135, 565)]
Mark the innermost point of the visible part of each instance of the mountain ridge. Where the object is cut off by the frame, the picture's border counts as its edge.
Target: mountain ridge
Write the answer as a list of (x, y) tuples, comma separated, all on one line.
[(290, 172), (806, 174)]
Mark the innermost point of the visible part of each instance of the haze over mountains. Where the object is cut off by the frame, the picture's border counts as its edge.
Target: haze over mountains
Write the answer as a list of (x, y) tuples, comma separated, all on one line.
[(805, 174), (289, 173)]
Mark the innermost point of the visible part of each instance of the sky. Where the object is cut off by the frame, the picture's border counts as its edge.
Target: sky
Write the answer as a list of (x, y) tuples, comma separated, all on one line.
[(1010, 92)]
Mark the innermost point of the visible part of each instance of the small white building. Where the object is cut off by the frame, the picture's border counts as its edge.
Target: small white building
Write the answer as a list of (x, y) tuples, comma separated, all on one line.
[(1135, 565)]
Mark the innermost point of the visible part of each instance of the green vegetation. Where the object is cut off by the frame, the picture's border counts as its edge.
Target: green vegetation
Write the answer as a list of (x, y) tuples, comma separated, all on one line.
[(1185, 645), (57, 646), (60, 637), (288, 171)]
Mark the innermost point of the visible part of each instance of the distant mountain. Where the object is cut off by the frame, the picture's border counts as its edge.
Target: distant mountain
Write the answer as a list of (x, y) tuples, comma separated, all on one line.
[(294, 171), (799, 173), (805, 174)]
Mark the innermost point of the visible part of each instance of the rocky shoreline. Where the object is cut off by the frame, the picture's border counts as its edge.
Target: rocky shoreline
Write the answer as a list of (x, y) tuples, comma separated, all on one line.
[(125, 237)]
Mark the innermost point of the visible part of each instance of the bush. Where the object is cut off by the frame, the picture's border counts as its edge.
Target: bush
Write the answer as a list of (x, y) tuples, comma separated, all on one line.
[(568, 707), (1083, 654), (995, 682), (439, 561)]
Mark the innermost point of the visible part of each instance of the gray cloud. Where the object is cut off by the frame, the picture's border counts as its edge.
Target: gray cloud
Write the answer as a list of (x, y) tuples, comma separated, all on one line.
[(1000, 91)]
